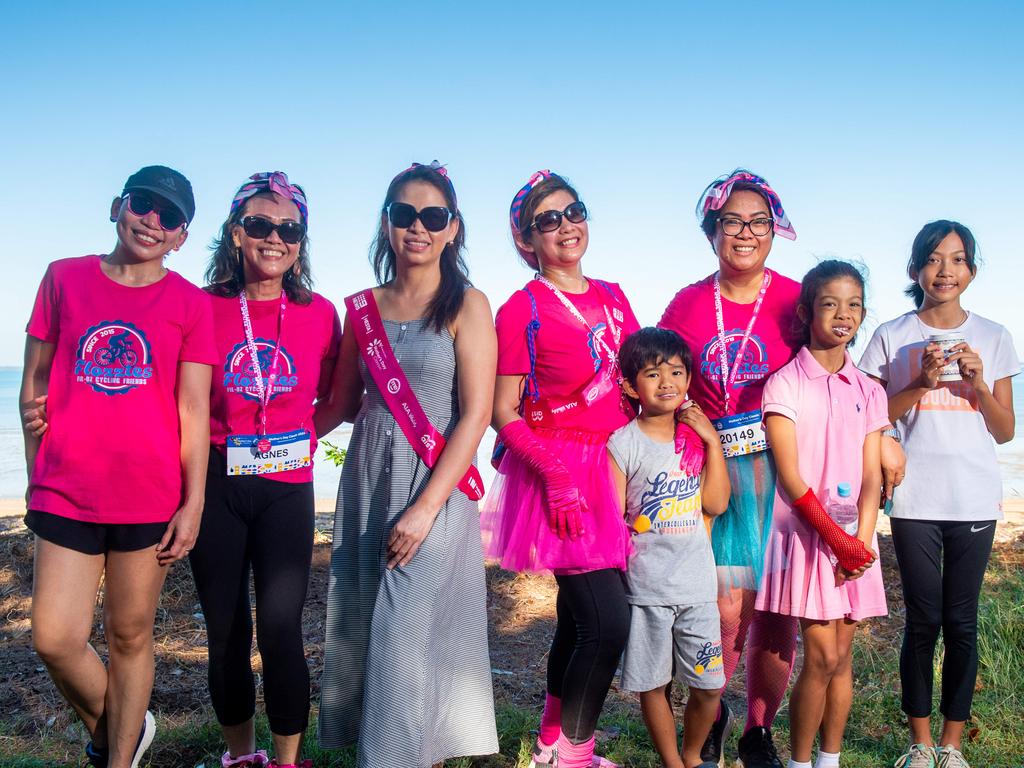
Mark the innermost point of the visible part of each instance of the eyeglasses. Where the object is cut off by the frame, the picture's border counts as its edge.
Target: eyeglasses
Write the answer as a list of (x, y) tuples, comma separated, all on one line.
[(434, 217), (757, 227), (259, 228), (140, 204), (549, 221)]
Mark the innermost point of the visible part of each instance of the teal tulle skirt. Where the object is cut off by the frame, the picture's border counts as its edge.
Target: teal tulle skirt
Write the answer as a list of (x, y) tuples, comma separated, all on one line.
[(740, 535)]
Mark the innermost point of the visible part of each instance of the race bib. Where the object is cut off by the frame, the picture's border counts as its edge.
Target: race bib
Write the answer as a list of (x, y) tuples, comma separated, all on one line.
[(741, 434), (283, 452)]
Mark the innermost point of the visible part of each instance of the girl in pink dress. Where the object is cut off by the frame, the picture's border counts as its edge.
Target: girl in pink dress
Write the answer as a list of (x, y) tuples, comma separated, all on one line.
[(557, 399), (824, 420)]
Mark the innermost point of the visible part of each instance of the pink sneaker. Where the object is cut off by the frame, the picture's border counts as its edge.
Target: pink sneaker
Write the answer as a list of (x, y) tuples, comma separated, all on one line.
[(308, 763), (257, 759)]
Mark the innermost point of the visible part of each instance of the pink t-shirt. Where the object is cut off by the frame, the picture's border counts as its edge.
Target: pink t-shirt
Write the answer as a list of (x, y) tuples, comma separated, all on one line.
[(112, 453), (309, 342), (691, 314), (568, 353), (833, 413)]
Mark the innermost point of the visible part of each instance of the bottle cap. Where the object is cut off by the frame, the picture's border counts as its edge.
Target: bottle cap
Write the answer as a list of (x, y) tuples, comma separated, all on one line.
[(844, 490)]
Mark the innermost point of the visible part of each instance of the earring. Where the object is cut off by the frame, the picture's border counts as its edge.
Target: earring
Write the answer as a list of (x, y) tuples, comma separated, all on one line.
[(237, 242)]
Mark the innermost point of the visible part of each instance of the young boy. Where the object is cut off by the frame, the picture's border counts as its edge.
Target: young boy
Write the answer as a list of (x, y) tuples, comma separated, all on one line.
[(671, 584)]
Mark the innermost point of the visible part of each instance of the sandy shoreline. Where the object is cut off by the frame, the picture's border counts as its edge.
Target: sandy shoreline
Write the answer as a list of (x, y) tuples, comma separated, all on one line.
[(11, 510)]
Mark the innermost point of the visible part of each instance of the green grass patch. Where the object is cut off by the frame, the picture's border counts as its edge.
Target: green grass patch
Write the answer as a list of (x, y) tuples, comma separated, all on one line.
[(875, 736)]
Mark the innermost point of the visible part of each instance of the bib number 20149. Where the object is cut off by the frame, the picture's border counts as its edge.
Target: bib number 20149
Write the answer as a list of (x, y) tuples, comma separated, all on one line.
[(741, 434)]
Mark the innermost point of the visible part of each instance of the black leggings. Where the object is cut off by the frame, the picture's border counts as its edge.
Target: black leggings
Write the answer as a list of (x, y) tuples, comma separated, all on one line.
[(593, 624), (265, 525), (942, 565)]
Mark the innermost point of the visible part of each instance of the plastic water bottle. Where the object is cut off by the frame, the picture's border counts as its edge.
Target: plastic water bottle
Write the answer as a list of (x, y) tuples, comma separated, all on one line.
[(843, 509)]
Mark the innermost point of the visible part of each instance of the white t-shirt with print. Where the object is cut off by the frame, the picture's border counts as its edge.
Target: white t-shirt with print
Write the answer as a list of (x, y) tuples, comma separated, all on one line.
[(952, 472)]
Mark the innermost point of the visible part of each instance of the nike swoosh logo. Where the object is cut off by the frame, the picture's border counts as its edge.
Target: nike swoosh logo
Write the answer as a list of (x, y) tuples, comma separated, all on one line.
[(978, 530)]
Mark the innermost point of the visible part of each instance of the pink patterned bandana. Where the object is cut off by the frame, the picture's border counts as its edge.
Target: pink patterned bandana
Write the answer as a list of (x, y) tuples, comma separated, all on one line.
[(434, 166), (273, 181), (517, 205), (719, 193)]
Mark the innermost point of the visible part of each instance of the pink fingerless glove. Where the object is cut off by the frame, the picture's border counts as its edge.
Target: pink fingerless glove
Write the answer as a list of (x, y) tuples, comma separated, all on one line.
[(850, 551), (690, 448), (566, 504)]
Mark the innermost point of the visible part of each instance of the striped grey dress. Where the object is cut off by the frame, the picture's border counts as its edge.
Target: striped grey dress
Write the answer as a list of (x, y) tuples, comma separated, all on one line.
[(406, 667)]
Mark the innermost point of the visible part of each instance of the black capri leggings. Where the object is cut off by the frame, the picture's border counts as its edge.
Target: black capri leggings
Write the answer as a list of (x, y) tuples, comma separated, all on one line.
[(265, 525), (942, 566), (593, 624)]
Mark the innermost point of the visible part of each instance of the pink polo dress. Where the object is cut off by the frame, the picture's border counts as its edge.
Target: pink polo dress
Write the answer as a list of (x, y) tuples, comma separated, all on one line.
[(833, 412)]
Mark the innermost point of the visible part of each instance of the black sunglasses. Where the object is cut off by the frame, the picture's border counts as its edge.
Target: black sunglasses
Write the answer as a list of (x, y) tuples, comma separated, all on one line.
[(434, 218), (140, 204), (549, 221), (259, 228)]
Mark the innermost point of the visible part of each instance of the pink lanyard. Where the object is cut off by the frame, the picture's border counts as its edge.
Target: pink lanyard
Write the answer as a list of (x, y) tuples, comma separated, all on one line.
[(263, 391), (729, 378), (571, 308)]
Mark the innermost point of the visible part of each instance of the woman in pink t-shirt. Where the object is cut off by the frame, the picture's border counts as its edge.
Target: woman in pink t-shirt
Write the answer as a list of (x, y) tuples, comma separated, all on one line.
[(121, 349), (739, 322), (277, 343), (556, 401)]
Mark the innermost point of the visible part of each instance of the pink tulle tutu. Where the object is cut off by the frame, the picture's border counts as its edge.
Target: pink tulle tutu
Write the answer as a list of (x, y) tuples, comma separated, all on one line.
[(799, 580), (515, 518)]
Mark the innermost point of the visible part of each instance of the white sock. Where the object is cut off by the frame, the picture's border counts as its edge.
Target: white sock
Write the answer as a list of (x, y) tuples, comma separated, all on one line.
[(827, 760), (794, 764)]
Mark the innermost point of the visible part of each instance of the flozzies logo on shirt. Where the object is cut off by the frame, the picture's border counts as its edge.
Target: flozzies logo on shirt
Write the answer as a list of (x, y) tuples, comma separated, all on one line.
[(671, 504), (754, 365), (593, 338), (239, 371), (114, 357)]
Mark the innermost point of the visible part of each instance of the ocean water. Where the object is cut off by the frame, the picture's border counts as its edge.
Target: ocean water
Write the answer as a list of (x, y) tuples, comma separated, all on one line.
[(12, 455)]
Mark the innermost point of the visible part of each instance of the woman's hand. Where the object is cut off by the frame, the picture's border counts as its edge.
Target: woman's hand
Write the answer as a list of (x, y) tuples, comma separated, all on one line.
[(894, 466), (409, 532), (932, 362), (33, 416), (180, 536)]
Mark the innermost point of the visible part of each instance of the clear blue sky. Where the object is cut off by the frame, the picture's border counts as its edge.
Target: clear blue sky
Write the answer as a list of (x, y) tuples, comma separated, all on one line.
[(869, 119)]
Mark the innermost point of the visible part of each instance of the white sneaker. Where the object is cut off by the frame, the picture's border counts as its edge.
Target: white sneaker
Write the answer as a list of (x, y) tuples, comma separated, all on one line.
[(146, 737), (951, 757)]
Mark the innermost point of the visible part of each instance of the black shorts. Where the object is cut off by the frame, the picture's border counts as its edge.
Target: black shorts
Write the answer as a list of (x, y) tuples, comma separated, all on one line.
[(94, 538)]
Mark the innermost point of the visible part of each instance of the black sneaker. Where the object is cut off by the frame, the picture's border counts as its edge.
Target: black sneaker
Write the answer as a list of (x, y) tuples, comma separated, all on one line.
[(756, 749), (712, 750), (98, 758)]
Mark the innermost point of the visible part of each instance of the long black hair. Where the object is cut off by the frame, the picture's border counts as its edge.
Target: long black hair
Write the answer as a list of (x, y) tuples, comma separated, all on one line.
[(447, 302), (927, 240), (225, 275)]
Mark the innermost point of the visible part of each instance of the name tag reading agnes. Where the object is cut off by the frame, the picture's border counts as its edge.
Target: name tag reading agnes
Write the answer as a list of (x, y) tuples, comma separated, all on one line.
[(286, 451), (741, 434)]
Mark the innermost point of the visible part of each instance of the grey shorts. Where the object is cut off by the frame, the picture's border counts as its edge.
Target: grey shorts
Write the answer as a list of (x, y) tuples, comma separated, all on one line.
[(673, 641)]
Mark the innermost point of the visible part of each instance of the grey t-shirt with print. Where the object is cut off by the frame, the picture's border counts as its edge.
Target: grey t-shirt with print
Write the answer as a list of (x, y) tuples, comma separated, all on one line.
[(672, 563)]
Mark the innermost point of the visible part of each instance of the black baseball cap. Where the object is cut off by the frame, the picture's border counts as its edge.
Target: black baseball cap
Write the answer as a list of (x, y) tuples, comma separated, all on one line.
[(168, 184)]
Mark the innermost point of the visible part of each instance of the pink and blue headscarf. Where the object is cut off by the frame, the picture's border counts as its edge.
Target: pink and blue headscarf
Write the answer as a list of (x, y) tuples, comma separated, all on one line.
[(517, 207), (272, 181), (438, 168), (718, 193)]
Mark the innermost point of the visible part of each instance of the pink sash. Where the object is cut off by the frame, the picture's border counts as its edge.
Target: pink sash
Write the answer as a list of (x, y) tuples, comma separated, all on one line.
[(550, 412), (394, 388)]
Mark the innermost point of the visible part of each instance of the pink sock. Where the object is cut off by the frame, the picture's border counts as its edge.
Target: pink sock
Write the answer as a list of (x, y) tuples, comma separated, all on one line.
[(736, 610), (771, 652), (551, 720), (575, 755)]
